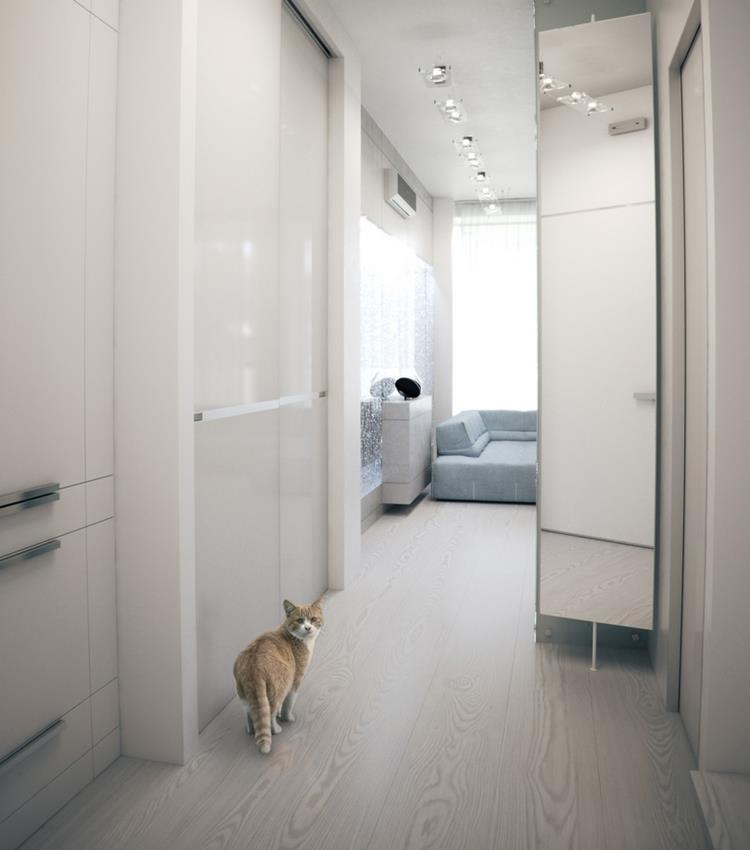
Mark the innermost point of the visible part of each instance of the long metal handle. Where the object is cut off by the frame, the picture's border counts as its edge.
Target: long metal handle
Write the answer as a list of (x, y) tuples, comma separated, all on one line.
[(29, 552), (21, 500), (644, 396), (31, 745)]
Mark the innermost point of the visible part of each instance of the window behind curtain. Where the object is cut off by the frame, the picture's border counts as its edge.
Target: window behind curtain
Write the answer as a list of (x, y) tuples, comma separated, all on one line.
[(494, 307)]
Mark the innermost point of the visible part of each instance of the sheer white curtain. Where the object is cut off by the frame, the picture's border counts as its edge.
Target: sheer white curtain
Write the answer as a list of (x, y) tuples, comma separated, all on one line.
[(494, 307)]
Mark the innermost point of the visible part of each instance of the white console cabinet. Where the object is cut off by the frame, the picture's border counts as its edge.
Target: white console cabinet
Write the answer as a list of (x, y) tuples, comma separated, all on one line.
[(407, 449)]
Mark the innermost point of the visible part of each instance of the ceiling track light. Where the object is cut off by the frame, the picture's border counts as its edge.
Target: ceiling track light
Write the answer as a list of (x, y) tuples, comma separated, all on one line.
[(492, 208), (585, 102), (575, 98), (437, 75), (466, 145), (547, 85), (467, 149), (479, 177), (594, 106), (486, 194), (452, 110)]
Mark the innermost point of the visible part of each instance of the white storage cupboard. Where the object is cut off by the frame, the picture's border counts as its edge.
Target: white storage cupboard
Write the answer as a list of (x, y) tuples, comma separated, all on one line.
[(59, 723)]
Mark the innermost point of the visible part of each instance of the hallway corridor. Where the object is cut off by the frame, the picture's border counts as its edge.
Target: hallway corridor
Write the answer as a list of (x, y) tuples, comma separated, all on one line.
[(429, 718)]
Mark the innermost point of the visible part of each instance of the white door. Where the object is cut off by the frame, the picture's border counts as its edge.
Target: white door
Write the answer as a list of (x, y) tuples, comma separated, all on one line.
[(598, 332), (696, 354)]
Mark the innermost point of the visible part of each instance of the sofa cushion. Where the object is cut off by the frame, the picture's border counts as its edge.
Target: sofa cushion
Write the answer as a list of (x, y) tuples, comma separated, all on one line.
[(523, 436), (509, 453), (462, 434), (509, 420), (505, 472)]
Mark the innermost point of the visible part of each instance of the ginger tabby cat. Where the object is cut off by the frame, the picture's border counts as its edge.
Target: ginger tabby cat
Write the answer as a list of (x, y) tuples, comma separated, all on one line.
[(268, 672)]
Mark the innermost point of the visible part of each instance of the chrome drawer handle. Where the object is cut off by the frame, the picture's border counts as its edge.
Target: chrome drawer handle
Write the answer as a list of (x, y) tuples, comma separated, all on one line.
[(11, 503), (29, 552), (31, 745)]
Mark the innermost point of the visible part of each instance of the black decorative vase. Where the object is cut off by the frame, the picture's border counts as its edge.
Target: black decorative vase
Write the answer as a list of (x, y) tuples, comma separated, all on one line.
[(408, 388)]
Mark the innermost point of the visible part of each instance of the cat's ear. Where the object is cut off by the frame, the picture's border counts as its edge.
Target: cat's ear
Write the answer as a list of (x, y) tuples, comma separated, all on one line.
[(288, 607), (318, 602)]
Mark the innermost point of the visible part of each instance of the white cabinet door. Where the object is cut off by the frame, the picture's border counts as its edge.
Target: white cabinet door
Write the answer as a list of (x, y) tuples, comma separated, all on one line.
[(100, 219), (44, 55), (44, 666), (598, 331)]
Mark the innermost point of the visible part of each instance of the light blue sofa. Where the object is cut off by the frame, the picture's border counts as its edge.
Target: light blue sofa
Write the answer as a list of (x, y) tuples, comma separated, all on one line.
[(486, 456)]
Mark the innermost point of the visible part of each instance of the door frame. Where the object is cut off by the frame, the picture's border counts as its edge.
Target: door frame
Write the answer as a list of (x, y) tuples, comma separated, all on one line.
[(666, 653)]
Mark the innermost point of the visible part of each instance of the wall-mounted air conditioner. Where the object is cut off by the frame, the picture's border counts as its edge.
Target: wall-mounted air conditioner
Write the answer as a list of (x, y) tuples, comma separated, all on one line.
[(399, 194)]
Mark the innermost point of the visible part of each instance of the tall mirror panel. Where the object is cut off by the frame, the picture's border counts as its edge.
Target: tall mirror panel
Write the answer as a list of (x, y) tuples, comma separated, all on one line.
[(598, 339)]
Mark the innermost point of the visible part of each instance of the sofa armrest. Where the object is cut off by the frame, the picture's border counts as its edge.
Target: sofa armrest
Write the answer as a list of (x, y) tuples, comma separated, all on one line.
[(462, 434)]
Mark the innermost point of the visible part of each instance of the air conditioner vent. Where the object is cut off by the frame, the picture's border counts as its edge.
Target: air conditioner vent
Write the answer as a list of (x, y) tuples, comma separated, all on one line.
[(399, 194)]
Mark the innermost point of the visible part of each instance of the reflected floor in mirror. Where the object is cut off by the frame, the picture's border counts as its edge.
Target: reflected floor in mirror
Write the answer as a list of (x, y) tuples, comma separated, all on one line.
[(596, 580), (429, 718)]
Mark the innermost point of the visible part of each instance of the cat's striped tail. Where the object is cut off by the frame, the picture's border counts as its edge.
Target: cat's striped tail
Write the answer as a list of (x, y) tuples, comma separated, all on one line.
[(260, 710)]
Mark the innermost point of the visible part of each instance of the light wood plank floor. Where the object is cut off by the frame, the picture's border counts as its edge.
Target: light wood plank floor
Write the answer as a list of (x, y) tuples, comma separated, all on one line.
[(596, 580), (429, 719)]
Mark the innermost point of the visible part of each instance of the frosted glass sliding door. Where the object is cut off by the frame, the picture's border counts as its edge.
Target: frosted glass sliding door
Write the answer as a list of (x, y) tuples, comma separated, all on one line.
[(260, 329)]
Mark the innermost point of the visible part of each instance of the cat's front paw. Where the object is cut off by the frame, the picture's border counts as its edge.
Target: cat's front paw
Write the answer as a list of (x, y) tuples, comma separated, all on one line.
[(276, 727)]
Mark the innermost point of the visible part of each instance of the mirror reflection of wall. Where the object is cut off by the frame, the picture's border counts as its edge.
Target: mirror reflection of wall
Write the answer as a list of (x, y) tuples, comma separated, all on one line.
[(598, 323)]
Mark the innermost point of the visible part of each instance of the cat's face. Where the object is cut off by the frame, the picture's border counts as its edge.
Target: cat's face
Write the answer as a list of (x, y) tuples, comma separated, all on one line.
[(303, 621)]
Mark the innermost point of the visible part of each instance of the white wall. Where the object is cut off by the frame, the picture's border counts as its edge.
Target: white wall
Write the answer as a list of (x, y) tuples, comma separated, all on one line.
[(584, 168), (725, 745), (154, 379), (378, 154)]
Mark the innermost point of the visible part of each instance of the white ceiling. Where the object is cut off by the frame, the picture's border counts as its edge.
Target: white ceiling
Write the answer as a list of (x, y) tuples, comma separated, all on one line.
[(490, 45), (599, 58)]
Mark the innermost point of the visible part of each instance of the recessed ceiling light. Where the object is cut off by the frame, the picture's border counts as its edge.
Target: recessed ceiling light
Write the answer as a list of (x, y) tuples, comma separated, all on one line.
[(452, 110), (437, 75)]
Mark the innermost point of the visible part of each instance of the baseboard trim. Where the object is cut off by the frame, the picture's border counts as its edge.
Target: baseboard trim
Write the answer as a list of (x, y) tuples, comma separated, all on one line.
[(725, 802)]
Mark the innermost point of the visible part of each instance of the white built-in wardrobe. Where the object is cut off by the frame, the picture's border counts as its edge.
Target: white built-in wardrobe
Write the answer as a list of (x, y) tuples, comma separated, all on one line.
[(58, 634), (260, 329)]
